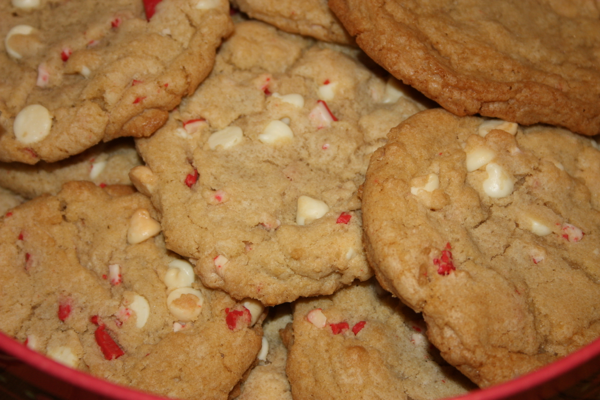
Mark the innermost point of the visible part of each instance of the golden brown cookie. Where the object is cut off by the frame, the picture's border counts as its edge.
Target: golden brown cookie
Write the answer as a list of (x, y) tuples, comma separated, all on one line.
[(257, 174), (102, 72), (88, 282), (492, 231), (360, 343), (523, 61), (104, 164), (309, 17)]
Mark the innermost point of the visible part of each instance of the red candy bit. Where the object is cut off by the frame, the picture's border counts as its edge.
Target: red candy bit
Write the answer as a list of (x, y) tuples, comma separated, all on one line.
[(150, 7), (31, 152), (64, 309), (21, 236), (328, 110), (94, 319), (238, 319), (325, 146), (416, 328), (8, 214), (116, 22), (327, 82), (102, 185), (65, 54), (444, 263), (109, 347), (139, 99), (340, 327), (358, 327), (190, 179), (136, 82), (344, 218), (26, 341)]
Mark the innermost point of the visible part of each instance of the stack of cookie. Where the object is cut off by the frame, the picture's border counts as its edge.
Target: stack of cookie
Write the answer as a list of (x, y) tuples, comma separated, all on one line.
[(255, 204)]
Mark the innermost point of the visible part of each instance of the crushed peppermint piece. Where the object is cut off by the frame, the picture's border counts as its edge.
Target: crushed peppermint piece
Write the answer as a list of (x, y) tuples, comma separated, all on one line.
[(136, 82), (150, 7), (114, 272), (64, 309), (340, 327), (43, 75), (109, 347), (193, 125), (344, 218), (321, 116), (325, 146), (116, 22), (444, 263), (358, 327), (65, 54), (317, 318), (220, 261), (191, 178), (572, 233), (238, 319), (138, 99)]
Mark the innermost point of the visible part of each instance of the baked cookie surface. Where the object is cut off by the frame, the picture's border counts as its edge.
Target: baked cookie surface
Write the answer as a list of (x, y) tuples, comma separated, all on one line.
[(104, 164), (491, 231), (88, 282), (310, 17), (360, 343), (8, 200), (256, 176), (522, 61), (103, 72)]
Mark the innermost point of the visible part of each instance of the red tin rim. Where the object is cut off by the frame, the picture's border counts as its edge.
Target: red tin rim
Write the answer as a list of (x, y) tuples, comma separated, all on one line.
[(96, 385)]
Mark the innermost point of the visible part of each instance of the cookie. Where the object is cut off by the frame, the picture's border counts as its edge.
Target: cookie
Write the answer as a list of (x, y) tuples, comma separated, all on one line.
[(256, 176), (8, 200), (268, 379), (490, 230), (88, 282), (526, 62), (311, 18), (98, 75), (104, 164), (360, 343)]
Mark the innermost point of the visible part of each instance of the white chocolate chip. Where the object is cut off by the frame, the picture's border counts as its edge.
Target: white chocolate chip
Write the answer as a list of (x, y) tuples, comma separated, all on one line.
[(433, 183), (142, 310), (276, 132), (393, 91), (226, 138), (180, 274), (286, 120), (558, 165), (114, 274), (418, 339), (85, 71), (595, 144), (16, 30), (26, 4), (32, 124), (479, 157), (492, 124), (327, 92), (97, 168), (182, 133), (292, 98), (317, 318), (190, 308), (538, 228), (165, 32), (264, 350), (142, 226), (143, 179), (255, 307), (498, 183), (220, 261), (350, 253), (310, 209), (63, 355), (207, 4)]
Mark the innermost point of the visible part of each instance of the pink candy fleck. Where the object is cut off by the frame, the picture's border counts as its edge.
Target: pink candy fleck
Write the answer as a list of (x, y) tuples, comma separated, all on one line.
[(190, 179), (116, 22), (358, 327), (238, 319), (344, 218), (340, 327), (65, 54), (444, 263)]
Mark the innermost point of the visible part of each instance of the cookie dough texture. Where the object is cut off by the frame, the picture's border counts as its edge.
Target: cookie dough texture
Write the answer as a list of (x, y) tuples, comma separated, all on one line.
[(104, 71), (506, 283), (310, 18), (523, 61), (390, 357), (56, 252), (268, 379), (104, 164), (8, 200), (232, 206)]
